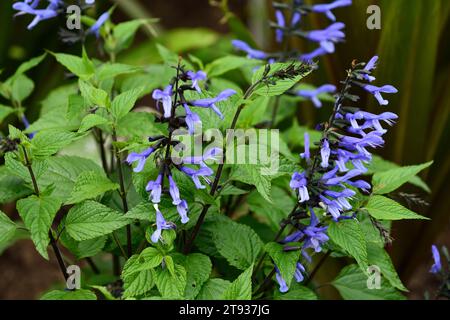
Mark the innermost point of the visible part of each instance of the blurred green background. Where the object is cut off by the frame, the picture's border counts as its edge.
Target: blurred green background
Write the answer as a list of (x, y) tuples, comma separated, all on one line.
[(415, 58)]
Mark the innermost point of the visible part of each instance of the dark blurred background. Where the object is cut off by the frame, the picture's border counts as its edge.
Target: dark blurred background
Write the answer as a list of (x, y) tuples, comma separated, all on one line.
[(415, 57)]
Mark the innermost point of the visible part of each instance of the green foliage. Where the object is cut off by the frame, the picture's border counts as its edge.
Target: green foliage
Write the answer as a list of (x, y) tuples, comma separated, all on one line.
[(89, 185), (241, 288), (7, 228), (384, 208), (286, 262), (81, 294)]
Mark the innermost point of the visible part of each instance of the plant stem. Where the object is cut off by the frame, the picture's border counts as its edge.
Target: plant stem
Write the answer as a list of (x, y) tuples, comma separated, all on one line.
[(53, 242), (317, 267), (101, 145), (122, 192), (93, 265), (215, 185)]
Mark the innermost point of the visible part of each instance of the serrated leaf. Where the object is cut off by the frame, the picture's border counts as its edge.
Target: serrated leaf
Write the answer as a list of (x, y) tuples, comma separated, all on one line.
[(379, 257), (124, 102), (383, 208), (80, 294), (286, 262), (90, 121), (38, 213), (198, 268), (149, 258), (82, 68), (138, 283), (91, 219), (112, 70), (251, 174), (388, 181), (348, 235), (237, 243), (95, 96), (89, 185), (213, 289), (83, 249), (352, 285), (48, 142), (241, 288), (172, 285), (11, 187), (7, 228)]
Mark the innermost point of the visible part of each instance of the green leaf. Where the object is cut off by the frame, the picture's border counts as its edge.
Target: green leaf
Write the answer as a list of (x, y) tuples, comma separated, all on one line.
[(226, 64), (379, 257), (11, 187), (5, 111), (90, 121), (296, 292), (348, 235), (149, 258), (38, 213), (112, 70), (93, 95), (124, 33), (30, 64), (49, 142), (124, 102), (281, 86), (388, 181), (80, 294), (172, 285), (138, 283), (89, 185), (21, 88), (7, 229), (237, 243), (383, 208), (352, 285), (241, 288), (198, 268), (286, 262), (90, 219), (83, 249), (213, 289), (63, 172), (82, 68), (251, 174)]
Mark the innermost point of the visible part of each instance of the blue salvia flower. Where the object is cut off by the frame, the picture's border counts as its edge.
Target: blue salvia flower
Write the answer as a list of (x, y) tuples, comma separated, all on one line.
[(306, 155), (164, 96), (95, 29), (372, 64), (195, 77), (283, 285), (204, 171), (90, 1), (161, 224), (192, 119), (211, 102), (376, 91), (299, 183), (141, 158), (315, 235), (30, 7), (313, 94), (299, 271), (328, 36), (325, 152), (279, 33), (176, 200), (155, 188), (26, 123), (326, 8), (437, 266), (251, 53)]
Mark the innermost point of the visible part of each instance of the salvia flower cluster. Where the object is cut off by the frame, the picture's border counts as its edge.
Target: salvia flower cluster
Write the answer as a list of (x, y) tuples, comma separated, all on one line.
[(49, 9), (175, 110), (333, 174)]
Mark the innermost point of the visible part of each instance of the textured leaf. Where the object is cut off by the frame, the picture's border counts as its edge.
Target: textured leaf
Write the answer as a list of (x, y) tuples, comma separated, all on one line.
[(11, 187), (251, 174), (83, 249), (91, 219), (7, 229), (138, 283), (198, 268), (149, 258), (296, 292), (124, 102), (384, 208), (241, 288), (49, 142), (388, 181), (80, 294), (38, 213), (213, 289), (90, 121), (89, 185), (78, 66), (352, 285), (379, 257), (348, 235), (286, 262), (95, 96), (238, 243), (172, 285)]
